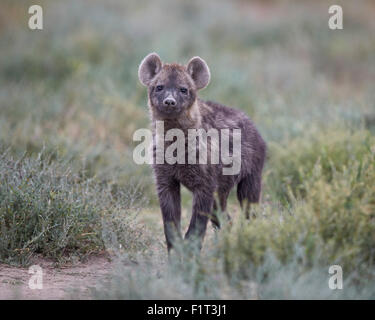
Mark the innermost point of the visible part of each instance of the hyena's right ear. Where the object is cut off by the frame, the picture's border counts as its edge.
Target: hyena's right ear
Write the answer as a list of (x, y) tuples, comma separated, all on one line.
[(149, 68)]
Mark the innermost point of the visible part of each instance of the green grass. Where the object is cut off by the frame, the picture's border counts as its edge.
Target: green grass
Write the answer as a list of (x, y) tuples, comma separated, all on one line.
[(70, 101)]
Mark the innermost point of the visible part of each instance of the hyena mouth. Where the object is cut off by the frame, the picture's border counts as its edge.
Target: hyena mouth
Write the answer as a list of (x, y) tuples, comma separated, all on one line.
[(170, 112)]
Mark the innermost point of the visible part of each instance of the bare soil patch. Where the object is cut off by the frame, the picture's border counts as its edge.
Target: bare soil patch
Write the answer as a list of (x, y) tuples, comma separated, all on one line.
[(58, 281)]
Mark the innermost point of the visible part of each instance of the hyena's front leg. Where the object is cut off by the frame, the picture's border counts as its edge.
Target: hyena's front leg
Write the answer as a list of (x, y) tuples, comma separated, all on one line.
[(170, 205), (202, 209)]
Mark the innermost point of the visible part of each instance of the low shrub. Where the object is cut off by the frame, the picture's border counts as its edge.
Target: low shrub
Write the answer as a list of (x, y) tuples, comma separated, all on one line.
[(47, 209), (293, 162), (330, 214)]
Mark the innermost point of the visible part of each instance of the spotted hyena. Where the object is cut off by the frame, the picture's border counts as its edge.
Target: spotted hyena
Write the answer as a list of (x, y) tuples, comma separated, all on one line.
[(173, 99)]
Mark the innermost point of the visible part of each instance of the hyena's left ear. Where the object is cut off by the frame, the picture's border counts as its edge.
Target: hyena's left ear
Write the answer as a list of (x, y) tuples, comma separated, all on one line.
[(199, 72), (149, 68)]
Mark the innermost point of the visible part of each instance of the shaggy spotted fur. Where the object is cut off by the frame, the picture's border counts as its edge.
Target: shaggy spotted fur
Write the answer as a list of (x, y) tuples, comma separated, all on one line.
[(172, 98)]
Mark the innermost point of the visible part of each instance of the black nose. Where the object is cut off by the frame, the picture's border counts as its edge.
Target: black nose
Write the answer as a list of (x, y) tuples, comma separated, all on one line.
[(169, 102)]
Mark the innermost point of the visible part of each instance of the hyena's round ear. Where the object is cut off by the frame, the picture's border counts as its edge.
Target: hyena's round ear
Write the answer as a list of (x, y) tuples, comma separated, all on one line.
[(199, 72), (149, 68)]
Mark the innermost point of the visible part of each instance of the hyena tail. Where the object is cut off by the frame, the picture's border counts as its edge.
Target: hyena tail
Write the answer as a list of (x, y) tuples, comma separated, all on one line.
[(249, 189)]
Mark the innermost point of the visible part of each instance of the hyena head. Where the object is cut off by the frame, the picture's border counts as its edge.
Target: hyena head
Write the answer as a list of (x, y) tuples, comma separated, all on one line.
[(172, 88)]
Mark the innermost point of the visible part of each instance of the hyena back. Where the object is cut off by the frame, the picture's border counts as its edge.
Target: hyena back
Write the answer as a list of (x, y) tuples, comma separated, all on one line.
[(172, 98)]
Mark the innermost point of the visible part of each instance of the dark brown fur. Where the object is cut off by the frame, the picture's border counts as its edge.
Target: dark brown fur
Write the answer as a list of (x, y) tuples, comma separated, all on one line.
[(202, 180)]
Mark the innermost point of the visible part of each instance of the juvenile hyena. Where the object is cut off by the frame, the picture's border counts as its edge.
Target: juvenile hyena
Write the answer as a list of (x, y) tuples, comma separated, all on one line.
[(172, 98)]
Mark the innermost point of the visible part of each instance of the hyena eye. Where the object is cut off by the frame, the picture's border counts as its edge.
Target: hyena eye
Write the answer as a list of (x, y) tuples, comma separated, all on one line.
[(159, 88), (183, 90)]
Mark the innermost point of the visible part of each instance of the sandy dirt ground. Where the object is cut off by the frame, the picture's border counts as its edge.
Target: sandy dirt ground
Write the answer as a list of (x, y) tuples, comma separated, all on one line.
[(59, 282)]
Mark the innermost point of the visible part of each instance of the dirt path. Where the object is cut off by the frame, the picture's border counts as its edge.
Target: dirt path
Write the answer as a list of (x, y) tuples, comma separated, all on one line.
[(58, 282)]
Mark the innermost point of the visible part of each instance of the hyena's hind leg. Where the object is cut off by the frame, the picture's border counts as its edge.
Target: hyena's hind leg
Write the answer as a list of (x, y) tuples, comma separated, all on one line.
[(249, 191), (223, 197), (213, 216)]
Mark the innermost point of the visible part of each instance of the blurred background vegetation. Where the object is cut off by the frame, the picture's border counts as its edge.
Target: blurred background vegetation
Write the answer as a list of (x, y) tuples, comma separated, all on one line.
[(70, 93)]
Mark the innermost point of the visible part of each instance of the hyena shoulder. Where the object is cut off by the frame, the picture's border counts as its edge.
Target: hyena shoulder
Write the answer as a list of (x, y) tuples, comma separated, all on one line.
[(224, 117)]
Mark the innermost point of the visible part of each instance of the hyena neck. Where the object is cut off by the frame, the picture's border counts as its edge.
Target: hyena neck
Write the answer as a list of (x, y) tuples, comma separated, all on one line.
[(189, 119), (192, 117)]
